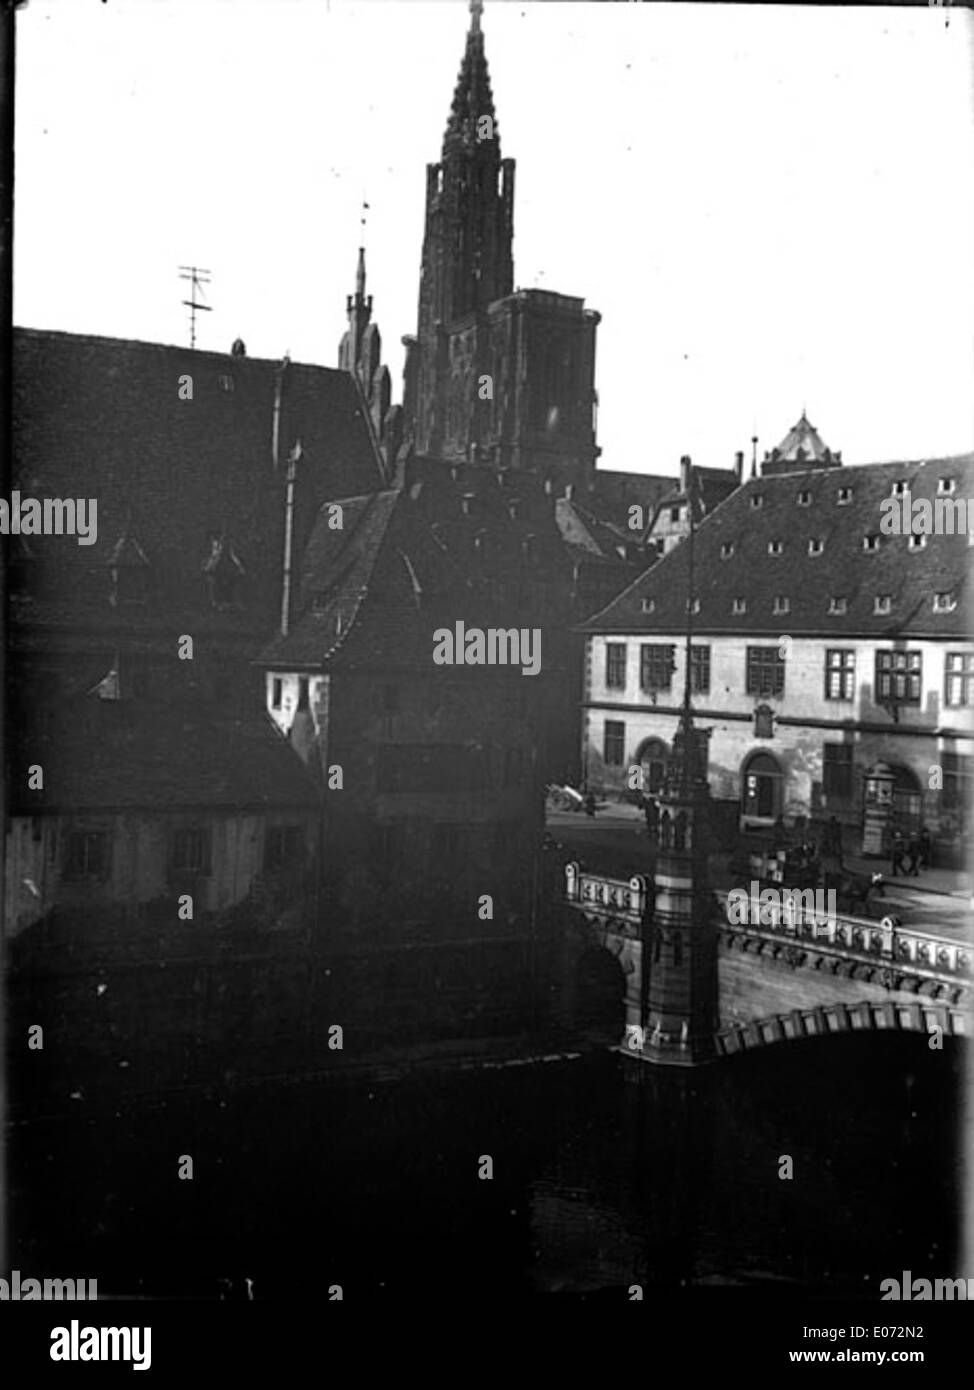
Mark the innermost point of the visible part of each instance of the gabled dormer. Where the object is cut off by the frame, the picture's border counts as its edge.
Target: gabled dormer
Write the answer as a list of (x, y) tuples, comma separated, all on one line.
[(225, 574), (129, 571)]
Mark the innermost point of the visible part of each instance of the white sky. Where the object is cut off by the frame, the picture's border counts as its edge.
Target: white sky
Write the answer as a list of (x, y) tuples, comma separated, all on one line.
[(771, 207)]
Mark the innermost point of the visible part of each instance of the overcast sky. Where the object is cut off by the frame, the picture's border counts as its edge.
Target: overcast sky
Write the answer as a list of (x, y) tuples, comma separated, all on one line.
[(771, 207)]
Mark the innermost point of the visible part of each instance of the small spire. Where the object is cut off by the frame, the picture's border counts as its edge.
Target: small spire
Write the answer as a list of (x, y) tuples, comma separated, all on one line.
[(360, 273), (476, 10)]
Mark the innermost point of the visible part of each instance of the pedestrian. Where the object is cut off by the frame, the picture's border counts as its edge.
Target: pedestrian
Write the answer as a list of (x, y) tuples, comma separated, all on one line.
[(926, 848), (913, 850), (899, 849), (651, 812), (589, 804)]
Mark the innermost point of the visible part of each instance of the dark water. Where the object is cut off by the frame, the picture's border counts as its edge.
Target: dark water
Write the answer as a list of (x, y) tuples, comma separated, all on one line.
[(597, 1182)]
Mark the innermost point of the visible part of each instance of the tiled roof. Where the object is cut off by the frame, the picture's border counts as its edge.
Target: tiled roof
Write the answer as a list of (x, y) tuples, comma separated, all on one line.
[(104, 754), (438, 544), (803, 443), (755, 546), (102, 418)]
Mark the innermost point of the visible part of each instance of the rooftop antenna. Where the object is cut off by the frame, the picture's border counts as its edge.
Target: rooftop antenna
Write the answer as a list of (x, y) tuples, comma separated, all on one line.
[(197, 278)]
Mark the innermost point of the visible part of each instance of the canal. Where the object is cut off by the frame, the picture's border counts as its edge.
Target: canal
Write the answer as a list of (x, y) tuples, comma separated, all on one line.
[(598, 1182)]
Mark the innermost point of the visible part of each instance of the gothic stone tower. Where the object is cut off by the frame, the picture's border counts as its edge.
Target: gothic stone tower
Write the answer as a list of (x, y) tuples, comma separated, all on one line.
[(536, 349), (682, 996)]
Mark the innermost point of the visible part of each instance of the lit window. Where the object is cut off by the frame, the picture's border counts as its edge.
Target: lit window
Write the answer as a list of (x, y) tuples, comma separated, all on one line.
[(840, 674), (899, 677), (959, 680)]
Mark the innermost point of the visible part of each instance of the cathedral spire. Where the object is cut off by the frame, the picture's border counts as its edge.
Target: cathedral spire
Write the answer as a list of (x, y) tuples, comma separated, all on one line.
[(472, 111)]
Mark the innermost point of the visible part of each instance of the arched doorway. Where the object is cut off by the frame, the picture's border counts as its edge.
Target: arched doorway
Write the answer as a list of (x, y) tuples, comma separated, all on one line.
[(652, 756), (762, 784)]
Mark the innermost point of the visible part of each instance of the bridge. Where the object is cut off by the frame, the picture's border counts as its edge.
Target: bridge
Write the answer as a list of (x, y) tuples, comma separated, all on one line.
[(794, 973)]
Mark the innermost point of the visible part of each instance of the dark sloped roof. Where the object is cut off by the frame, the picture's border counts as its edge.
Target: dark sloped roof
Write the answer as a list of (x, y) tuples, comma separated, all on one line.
[(370, 591), (101, 755), (844, 569), (102, 418)]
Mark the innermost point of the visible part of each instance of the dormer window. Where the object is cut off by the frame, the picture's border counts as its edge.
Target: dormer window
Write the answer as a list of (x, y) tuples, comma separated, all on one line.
[(917, 542), (693, 606), (815, 546), (944, 603), (870, 542), (844, 496), (945, 486), (775, 547), (466, 503), (757, 499), (727, 550), (883, 603), (899, 487), (649, 605), (739, 605), (781, 604), (128, 568), (224, 573), (837, 604), (804, 499)]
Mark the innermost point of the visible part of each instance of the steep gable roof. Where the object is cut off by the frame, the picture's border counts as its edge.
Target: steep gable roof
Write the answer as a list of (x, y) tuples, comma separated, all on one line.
[(734, 558)]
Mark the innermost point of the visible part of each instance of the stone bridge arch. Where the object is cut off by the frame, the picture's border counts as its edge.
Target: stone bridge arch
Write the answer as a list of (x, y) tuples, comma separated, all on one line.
[(866, 1016)]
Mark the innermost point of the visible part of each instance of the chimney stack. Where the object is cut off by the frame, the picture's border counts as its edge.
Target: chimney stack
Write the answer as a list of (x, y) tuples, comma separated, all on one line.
[(739, 466), (685, 466)]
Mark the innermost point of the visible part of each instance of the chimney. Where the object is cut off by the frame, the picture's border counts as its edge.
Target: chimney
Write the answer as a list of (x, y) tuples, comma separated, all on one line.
[(739, 466), (685, 466)]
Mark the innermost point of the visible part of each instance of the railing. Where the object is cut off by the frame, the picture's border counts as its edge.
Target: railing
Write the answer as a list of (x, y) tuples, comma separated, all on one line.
[(885, 940), (622, 897)]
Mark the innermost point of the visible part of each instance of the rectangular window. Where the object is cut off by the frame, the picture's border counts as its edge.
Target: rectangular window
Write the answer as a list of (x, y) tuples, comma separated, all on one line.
[(837, 771), (303, 693), (674, 514), (840, 674), (277, 690), (700, 670), (656, 662), (88, 854), (899, 677), (959, 680), (614, 747), (190, 851), (615, 665), (765, 671), (283, 847)]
